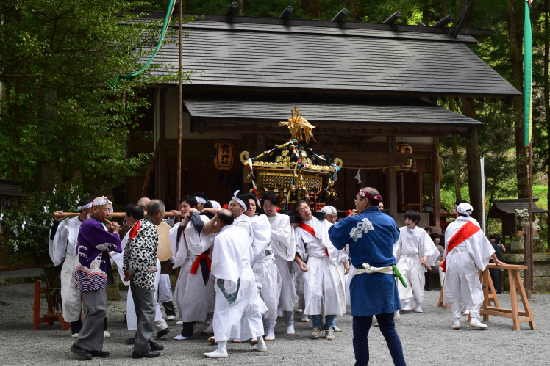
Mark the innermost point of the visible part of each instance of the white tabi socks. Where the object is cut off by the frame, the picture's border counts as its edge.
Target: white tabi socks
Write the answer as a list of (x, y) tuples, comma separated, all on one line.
[(289, 321), (270, 332), (455, 311), (220, 352), (260, 346), (406, 304)]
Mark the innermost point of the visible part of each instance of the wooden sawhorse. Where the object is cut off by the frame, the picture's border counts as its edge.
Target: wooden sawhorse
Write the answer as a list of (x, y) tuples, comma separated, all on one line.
[(490, 296)]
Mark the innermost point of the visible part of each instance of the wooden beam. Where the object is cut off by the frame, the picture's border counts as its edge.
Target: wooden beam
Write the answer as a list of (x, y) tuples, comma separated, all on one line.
[(391, 176), (370, 159), (344, 130)]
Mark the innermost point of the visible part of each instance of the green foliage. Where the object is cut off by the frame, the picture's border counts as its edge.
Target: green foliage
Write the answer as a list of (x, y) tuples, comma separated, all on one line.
[(57, 110), (25, 230)]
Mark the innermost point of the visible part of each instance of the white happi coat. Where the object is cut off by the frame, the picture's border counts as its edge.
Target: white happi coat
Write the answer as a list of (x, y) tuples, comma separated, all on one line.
[(321, 281), (409, 249), (265, 270), (242, 318), (62, 246), (131, 317), (193, 298), (283, 243), (463, 262)]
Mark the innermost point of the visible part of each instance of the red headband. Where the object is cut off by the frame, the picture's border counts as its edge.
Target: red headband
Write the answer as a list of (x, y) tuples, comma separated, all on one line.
[(368, 195)]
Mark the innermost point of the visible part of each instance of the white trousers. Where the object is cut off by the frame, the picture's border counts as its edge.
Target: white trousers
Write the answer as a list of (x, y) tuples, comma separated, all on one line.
[(70, 297), (269, 281), (193, 298), (462, 279), (288, 286), (241, 319), (321, 287), (413, 274)]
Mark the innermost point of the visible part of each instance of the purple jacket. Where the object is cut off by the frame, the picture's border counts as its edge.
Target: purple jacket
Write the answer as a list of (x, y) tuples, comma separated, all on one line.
[(93, 246)]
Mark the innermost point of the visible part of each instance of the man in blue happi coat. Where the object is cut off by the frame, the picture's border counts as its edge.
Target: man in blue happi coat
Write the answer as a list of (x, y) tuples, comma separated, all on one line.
[(371, 235)]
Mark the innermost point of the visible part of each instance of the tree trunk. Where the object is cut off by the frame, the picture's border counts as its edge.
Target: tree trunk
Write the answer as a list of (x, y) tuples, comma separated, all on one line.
[(474, 165), (315, 9), (456, 160), (240, 8), (547, 90), (515, 27)]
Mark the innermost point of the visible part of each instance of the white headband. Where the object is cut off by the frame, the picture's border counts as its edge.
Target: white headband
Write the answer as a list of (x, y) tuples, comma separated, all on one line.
[(200, 200), (465, 209), (215, 204), (238, 200), (329, 210), (89, 205), (102, 201)]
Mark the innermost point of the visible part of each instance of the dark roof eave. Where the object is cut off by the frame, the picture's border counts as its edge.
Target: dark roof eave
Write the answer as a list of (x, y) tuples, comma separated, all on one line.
[(328, 24), (432, 93)]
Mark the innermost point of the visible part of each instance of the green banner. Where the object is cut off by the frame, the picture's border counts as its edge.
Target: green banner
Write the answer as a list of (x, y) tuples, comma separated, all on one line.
[(527, 77)]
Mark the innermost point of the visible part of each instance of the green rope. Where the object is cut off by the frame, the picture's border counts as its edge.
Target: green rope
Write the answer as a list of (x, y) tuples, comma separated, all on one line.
[(136, 74)]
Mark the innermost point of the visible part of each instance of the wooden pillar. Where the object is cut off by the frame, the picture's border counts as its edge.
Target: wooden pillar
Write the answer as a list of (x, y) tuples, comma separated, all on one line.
[(391, 177), (437, 188), (472, 159)]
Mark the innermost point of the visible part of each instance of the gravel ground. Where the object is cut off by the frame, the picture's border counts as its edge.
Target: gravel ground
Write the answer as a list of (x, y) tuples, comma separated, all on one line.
[(427, 339), (31, 272)]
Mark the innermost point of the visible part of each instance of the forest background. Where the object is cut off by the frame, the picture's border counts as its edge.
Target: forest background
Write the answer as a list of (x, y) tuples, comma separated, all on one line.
[(64, 116)]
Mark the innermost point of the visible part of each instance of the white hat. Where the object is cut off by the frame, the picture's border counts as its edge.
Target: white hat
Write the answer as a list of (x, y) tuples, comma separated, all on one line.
[(465, 209), (329, 210)]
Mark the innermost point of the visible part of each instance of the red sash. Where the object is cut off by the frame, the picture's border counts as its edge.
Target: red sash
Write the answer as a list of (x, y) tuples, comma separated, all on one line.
[(465, 232), (197, 262), (134, 231), (310, 230)]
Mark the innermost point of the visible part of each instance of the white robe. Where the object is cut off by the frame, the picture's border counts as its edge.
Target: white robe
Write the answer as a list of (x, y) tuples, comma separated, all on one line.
[(283, 243), (321, 281), (342, 257), (193, 298), (408, 252), (463, 262), (62, 246), (265, 270), (242, 319)]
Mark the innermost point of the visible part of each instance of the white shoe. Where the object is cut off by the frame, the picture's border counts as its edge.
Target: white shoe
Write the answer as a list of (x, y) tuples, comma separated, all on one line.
[(270, 333), (329, 334), (315, 333), (106, 334), (466, 312), (216, 354), (299, 311), (396, 315), (475, 323), (290, 329), (418, 309), (74, 335), (336, 329), (280, 313), (179, 322), (179, 337), (456, 324), (407, 305), (304, 318), (170, 317)]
